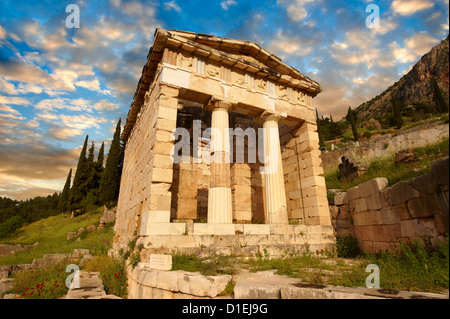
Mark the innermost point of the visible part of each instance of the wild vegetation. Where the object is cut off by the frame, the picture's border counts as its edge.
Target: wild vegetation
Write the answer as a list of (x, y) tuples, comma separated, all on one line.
[(394, 172)]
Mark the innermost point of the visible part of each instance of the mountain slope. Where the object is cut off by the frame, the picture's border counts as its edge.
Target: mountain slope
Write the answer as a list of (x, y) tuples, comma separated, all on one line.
[(415, 88)]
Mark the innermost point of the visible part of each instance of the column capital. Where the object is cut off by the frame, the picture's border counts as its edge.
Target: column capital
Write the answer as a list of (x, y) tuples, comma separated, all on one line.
[(219, 103), (271, 115)]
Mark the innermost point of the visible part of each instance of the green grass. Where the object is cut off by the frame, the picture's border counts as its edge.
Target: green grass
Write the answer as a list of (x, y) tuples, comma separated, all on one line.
[(394, 172), (51, 235), (208, 266)]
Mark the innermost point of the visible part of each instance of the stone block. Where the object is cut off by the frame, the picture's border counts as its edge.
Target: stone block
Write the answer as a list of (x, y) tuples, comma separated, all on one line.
[(376, 201), (256, 229), (340, 198), (160, 262), (440, 171), (400, 193), (389, 215), (403, 211), (243, 290), (442, 224), (367, 218), (424, 206), (425, 183), (371, 187), (214, 229), (187, 208), (358, 205), (344, 212), (292, 292), (353, 193), (165, 229), (413, 229), (162, 175)]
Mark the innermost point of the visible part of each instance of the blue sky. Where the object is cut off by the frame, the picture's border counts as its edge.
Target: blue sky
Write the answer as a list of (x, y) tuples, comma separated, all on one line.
[(59, 84)]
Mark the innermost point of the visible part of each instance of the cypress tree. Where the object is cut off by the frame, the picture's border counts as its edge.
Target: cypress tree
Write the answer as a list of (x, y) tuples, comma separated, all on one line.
[(78, 190), (398, 120), (63, 203), (101, 156), (441, 103), (351, 118), (110, 182), (319, 130)]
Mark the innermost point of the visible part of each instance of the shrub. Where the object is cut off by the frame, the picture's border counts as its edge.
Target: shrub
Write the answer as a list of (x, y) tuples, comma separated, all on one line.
[(8, 227), (112, 273), (347, 247)]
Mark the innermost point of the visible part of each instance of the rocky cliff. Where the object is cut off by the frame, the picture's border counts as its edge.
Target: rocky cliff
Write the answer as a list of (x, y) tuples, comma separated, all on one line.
[(415, 88)]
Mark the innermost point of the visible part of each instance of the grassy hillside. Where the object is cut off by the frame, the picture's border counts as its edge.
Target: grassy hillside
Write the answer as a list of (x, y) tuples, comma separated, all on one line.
[(51, 234)]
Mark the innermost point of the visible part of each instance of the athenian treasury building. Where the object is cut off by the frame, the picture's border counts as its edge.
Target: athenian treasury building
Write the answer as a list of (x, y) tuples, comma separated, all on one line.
[(222, 153)]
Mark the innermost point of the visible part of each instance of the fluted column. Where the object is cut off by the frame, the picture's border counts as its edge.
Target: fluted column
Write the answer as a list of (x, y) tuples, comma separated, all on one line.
[(275, 194), (219, 193)]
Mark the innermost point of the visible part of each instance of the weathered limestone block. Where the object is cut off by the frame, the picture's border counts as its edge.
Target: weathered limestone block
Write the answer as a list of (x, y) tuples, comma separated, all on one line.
[(377, 201), (340, 198), (353, 193), (389, 215), (424, 206), (425, 183), (373, 186), (413, 229), (440, 171), (401, 193), (244, 290), (358, 205)]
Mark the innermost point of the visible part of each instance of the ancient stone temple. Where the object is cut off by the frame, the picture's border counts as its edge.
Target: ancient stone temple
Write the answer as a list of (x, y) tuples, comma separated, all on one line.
[(249, 178)]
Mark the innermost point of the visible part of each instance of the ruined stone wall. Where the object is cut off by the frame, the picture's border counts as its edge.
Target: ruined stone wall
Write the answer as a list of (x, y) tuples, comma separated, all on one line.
[(388, 145), (379, 217)]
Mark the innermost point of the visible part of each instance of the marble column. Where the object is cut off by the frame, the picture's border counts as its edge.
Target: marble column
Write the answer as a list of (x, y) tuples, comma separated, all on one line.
[(219, 193), (275, 194)]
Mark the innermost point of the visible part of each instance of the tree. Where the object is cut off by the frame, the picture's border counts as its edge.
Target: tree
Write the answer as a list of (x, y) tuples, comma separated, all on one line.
[(79, 186), (63, 203), (110, 182), (351, 119), (441, 103), (396, 108), (319, 130)]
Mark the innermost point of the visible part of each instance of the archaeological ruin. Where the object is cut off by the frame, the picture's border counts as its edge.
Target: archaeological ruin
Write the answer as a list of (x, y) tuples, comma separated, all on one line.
[(194, 90)]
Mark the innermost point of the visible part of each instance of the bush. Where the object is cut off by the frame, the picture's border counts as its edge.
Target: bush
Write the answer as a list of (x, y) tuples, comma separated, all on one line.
[(8, 227), (112, 273), (347, 247)]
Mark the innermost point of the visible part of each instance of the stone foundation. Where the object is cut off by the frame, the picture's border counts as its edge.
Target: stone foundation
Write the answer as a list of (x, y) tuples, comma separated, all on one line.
[(241, 240)]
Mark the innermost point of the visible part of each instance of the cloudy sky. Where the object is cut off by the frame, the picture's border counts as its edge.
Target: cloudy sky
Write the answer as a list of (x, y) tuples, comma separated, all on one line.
[(59, 84)]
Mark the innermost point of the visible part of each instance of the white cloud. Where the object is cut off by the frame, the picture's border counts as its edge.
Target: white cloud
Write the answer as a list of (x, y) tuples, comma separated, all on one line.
[(24, 88), (2, 32), (402, 55), (105, 105), (421, 43), (51, 105), (13, 100), (296, 11), (64, 133), (93, 85), (225, 4), (172, 5), (408, 7), (7, 87)]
